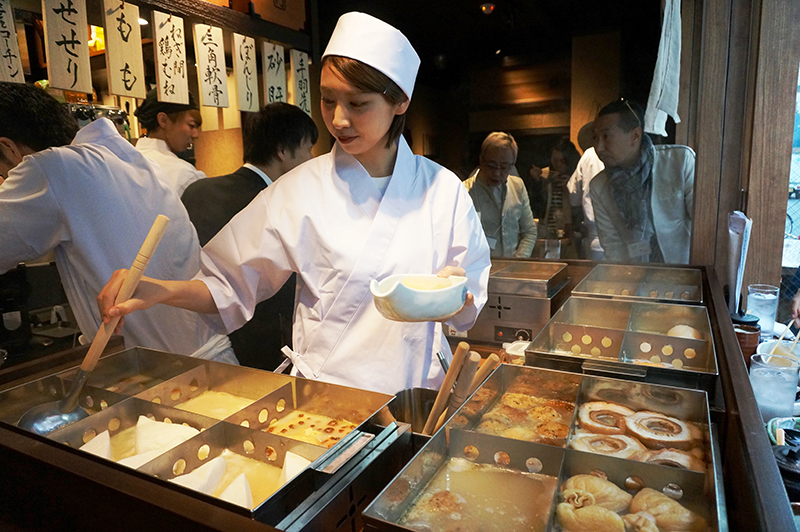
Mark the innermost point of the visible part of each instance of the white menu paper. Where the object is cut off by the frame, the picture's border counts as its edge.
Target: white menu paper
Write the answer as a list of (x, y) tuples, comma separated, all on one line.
[(10, 62), (244, 64), (124, 62), (301, 96), (210, 54), (274, 67), (66, 45), (169, 43)]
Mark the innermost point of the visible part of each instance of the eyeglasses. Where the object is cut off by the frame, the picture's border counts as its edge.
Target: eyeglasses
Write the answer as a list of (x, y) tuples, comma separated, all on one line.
[(638, 122), (498, 167)]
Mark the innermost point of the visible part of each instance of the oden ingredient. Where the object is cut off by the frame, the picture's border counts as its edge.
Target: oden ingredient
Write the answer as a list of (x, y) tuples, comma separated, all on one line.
[(426, 283)]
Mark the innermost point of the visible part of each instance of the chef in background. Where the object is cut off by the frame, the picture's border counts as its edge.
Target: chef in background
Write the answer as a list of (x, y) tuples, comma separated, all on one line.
[(171, 128), (367, 210), (93, 202)]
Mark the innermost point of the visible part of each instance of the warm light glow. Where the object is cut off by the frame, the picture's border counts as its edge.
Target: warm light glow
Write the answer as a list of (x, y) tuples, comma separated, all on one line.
[(487, 8), (97, 40), (498, 52), (142, 22)]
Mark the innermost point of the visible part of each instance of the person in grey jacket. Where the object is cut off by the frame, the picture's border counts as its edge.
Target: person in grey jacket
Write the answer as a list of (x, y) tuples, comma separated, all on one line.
[(501, 200), (644, 198)]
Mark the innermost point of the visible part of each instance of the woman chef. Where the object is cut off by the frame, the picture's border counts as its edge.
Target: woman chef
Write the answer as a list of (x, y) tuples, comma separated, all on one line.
[(368, 209)]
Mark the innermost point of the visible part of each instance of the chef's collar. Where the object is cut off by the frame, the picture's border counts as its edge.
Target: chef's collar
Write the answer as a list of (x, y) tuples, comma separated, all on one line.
[(375, 43), (258, 171)]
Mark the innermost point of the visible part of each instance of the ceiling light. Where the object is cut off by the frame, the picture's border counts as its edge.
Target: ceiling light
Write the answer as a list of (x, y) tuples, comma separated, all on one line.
[(487, 8)]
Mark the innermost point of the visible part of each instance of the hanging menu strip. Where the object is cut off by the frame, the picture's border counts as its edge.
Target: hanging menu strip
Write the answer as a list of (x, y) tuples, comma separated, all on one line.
[(244, 63), (124, 60), (10, 63), (274, 68), (169, 44), (66, 44), (299, 65), (210, 54)]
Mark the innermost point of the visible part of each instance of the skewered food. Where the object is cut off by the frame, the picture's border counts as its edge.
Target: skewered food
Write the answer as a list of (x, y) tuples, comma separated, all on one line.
[(601, 417), (617, 445), (601, 491), (669, 514), (660, 431)]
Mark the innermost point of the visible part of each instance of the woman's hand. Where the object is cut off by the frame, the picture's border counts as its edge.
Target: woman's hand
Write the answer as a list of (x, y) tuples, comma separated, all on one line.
[(459, 272), (144, 297)]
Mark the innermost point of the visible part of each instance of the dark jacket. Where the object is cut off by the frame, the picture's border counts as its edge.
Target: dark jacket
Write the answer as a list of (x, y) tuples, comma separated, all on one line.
[(211, 204)]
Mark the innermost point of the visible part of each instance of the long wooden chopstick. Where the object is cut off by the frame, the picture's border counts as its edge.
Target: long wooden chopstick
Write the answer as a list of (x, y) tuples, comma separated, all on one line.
[(444, 392), (461, 390)]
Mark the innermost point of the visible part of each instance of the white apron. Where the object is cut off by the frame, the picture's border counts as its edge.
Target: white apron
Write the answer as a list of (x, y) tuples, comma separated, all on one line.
[(326, 220)]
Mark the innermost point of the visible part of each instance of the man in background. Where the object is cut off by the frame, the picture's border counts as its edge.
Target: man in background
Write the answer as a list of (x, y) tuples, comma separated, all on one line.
[(275, 140), (501, 200), (579, 186), (93, 202), (171, 128), (644, 198)]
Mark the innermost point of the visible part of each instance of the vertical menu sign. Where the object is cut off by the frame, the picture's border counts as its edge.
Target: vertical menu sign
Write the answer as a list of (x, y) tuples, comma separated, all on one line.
[(170, 50), (299, 65), (66, 36), (10, 63), (210, 54), (274, 68), (244, 63), (124, 61)]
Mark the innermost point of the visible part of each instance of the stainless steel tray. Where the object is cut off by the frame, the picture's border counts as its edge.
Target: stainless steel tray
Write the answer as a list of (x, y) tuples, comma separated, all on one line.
[(630, 340), (643, 283), (526, 278), (699, 489)]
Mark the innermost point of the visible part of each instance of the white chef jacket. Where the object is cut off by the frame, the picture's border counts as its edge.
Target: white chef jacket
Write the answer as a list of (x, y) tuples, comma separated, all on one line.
[(93, 202), (178, 174), (326, 220), (579, 186)]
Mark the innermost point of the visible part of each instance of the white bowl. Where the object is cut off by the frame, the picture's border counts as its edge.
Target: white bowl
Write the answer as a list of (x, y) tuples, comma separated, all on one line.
[(398, 301), (783, 349)]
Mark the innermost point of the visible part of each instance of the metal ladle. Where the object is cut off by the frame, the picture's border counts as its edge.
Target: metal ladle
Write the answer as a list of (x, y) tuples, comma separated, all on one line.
[(47, 417)]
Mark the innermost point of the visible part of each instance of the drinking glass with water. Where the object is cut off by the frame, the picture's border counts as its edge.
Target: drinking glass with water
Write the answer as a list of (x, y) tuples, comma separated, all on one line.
[(774, 381), (762, 302)]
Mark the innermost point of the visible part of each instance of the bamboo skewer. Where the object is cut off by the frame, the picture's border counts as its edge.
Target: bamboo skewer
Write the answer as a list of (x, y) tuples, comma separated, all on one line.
[(785, 330), (444, 392)]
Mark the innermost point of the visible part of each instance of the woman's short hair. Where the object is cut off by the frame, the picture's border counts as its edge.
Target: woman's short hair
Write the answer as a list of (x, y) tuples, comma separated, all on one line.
[(365, 78), (499, 139)]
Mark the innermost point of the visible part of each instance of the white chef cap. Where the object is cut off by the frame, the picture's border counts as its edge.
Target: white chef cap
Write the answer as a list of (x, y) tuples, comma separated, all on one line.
[(375, 43)]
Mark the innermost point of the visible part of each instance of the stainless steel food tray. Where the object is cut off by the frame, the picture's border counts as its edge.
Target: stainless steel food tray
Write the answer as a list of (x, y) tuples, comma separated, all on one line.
[(526, 278), (643, 283), (393, 502), (699, 489), (629, 340)]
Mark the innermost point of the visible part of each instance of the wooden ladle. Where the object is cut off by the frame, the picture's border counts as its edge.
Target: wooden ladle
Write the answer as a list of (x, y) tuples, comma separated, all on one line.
[(47, 417)]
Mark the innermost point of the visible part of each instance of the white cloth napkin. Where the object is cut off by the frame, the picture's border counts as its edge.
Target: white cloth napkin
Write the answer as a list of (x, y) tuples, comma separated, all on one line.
[(663, 100)]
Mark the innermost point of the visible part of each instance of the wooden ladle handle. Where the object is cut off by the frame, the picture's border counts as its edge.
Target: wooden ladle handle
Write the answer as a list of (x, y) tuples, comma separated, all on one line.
[(127, 289)]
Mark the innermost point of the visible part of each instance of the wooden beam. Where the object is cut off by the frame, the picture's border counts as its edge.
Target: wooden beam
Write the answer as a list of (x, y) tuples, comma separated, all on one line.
[(777, 58)]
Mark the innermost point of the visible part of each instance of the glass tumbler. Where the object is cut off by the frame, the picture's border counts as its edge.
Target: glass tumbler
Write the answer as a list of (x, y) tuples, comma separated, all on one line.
[(774, 382), (762, 302)]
